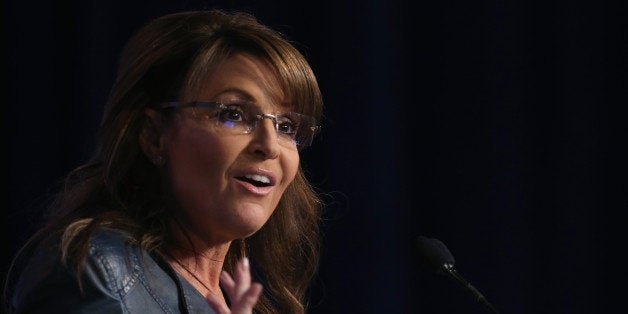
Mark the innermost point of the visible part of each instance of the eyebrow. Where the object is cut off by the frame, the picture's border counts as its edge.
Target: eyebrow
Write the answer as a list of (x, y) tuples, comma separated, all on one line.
[(248, 97), (238, 91)]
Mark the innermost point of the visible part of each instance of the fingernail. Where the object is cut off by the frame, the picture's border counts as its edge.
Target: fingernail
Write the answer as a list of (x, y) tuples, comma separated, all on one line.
[(245, 262)]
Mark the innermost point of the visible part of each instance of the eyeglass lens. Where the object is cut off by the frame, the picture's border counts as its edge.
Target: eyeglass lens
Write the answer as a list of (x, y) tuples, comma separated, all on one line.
[(242, 118)]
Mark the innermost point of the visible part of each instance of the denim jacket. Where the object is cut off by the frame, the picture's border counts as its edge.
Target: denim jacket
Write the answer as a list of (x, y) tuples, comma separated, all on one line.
[(118, 278)]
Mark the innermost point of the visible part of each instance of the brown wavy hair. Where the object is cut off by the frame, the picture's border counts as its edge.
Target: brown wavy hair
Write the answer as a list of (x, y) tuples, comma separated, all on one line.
[(119, 187)]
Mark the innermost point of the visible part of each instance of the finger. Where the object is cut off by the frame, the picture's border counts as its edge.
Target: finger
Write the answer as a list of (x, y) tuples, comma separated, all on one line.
[(217, 305), (242, 276), (248, 300), (227, 283), (252, 295)]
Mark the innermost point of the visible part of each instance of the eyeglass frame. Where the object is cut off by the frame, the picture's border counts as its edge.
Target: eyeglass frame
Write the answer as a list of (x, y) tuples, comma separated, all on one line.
[(273, 117)]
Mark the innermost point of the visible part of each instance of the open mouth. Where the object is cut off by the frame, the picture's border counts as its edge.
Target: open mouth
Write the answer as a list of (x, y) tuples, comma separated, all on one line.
[(255, 179)]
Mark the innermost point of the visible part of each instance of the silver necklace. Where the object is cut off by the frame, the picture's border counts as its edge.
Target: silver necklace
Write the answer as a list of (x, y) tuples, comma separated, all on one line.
[(176, 260)]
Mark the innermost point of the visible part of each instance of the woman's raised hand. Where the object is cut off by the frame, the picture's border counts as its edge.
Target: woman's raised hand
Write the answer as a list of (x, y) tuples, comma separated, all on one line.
[(243, 294)]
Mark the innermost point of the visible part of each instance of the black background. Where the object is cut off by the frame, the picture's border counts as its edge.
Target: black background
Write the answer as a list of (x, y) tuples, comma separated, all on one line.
[(496, 126)]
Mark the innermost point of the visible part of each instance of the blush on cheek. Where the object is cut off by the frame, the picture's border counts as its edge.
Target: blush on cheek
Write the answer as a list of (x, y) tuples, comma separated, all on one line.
[(194, 140), (196, 156), (290, 166)]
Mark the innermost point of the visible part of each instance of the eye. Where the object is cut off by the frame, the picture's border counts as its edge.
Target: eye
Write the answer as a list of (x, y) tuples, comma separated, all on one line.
[(287, 125), (231, 113)]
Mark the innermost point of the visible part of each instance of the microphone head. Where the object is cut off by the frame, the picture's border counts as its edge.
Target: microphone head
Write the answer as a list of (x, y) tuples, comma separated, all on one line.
[(433, 253), (435, 256)]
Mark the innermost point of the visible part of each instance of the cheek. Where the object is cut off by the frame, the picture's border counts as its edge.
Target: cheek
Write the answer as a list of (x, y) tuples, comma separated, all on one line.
[(196, 157), (290, 165)]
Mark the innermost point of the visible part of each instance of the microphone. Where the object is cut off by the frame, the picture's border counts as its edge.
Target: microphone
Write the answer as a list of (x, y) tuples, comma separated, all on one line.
[(436, 257)]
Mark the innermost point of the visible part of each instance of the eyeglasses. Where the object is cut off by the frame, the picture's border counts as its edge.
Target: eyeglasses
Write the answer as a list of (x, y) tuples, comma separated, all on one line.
[(241, 117)]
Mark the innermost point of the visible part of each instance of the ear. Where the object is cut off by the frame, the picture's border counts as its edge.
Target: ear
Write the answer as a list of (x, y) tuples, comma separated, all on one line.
[(151, 137)]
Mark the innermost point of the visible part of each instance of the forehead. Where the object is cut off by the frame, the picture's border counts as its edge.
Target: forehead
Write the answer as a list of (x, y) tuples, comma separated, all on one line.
[(244, 76)]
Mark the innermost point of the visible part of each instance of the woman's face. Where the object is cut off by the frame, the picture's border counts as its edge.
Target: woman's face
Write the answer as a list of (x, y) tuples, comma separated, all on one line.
[(212, 174)]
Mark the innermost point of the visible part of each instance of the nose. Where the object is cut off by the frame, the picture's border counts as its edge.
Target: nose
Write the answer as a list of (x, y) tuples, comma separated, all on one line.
[(264, 142)]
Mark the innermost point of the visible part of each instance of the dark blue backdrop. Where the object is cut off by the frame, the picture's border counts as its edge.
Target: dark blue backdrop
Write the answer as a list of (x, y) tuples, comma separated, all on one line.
[(495, 126)]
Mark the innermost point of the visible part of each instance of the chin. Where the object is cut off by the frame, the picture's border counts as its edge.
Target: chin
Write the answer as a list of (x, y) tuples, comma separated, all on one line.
[(250, 230), (246, 227), (250, 218)]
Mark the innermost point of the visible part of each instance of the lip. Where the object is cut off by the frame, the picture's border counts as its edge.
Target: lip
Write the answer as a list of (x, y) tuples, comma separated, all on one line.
[(258, 190)]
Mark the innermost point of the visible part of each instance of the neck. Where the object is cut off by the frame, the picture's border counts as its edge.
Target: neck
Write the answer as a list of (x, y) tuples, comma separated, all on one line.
[(202, 273), (199, 261)]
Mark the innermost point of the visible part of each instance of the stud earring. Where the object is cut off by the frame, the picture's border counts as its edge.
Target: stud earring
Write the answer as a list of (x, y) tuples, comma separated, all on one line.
[(158, 160)]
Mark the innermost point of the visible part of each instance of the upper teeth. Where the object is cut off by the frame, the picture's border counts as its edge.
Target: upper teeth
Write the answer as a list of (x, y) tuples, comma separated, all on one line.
[(258, 177)]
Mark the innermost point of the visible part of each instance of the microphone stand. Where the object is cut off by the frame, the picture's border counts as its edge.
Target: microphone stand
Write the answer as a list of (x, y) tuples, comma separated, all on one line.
[(451, 271)]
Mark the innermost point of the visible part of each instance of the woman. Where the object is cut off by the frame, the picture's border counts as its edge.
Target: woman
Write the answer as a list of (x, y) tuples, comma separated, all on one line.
[(196, 175)]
